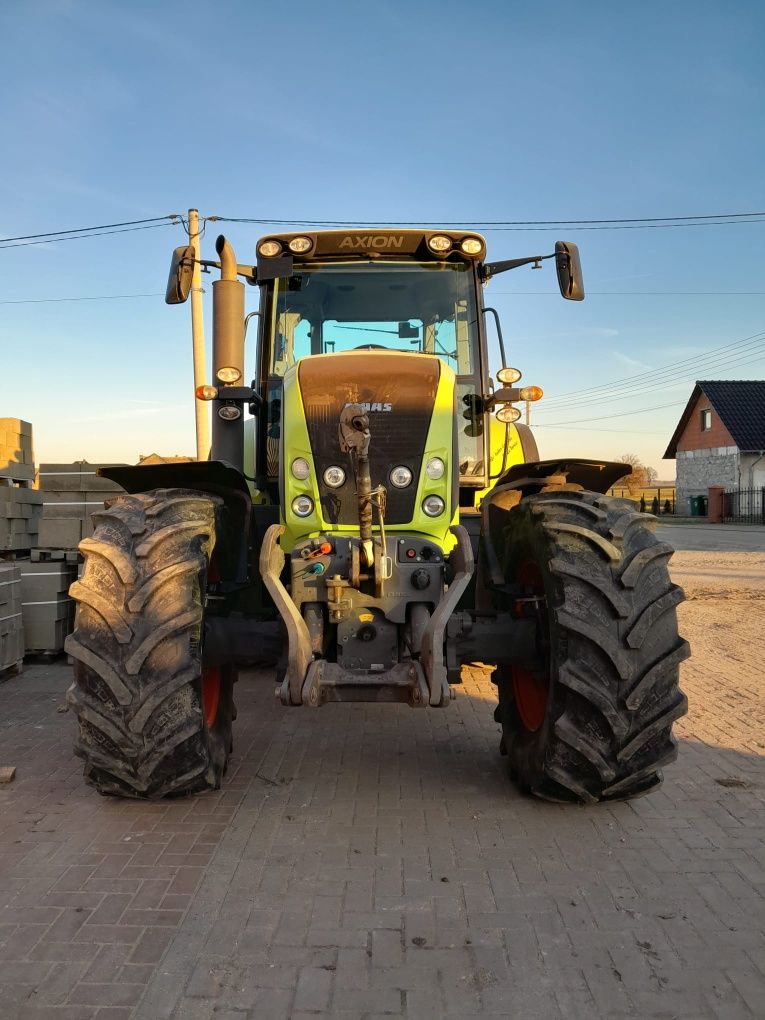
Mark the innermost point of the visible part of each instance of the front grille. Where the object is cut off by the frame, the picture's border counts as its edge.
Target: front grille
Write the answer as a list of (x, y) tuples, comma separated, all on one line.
[(406, 384)]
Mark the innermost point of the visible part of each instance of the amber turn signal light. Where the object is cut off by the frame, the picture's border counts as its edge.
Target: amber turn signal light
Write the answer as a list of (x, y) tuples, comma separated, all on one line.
[(531, 393)]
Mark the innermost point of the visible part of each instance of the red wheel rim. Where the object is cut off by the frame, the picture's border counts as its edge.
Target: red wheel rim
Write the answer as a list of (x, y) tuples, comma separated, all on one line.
[(530, 690), (530, 693), (210, 694)]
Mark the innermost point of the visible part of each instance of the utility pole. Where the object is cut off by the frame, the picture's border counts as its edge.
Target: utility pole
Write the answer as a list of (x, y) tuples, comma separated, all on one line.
[(198, 340), (528, 412)]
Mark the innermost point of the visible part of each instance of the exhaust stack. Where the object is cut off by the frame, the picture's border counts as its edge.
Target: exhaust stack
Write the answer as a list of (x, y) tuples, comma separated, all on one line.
[(228, 358)]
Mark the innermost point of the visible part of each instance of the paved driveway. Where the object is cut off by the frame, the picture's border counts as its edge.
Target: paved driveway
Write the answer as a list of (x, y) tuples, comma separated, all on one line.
[(367, 862), (702, 537)]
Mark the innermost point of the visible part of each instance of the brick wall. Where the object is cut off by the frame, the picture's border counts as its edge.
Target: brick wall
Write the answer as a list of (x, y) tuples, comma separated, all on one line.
[(694, 439)]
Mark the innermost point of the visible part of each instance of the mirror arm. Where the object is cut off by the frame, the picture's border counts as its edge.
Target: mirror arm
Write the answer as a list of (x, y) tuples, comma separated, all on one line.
[(248, 272), (489, 269)]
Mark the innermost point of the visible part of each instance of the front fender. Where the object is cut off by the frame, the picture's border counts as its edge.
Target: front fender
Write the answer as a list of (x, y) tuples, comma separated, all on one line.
[(217, 478)]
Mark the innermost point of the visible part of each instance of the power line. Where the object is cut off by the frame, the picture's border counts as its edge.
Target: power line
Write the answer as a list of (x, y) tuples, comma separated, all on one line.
[(647, 222), (80, 237), (101, 226), (622, 414), (638, 293), (96, 297), (650, 373)]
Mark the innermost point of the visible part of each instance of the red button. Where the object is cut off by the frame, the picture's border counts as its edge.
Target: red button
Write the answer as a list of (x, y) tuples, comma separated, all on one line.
[(411, 553)]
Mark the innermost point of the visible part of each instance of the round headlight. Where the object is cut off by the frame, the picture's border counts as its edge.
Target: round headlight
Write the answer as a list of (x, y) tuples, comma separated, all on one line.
[(509, 375), (302, 506), (433, 506), (229, 375), (300, 468), (334, 477), (435, 468), (508, 414), (439, 243), (269, 248), (471, 246), (401, 476), (229, 412), (300, 245)]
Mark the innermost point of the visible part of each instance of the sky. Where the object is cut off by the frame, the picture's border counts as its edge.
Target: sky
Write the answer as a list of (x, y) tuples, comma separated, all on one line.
[(388, 111)]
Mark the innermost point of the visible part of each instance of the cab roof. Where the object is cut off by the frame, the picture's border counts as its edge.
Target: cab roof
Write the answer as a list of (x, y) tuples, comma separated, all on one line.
[(377, 241)]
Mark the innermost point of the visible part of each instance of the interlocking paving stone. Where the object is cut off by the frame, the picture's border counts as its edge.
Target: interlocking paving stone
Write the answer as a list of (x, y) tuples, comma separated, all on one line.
[(369, 861)]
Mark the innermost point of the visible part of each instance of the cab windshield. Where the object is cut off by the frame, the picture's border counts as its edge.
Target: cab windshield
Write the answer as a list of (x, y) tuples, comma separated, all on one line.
[(419, 307), (425, 308)]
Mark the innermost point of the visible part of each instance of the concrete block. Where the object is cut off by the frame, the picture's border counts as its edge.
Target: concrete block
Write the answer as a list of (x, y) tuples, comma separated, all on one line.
[(60, 533), (78, 477), (17, 425), (46, 583), (18, 472), (45, 634), (20, 495)]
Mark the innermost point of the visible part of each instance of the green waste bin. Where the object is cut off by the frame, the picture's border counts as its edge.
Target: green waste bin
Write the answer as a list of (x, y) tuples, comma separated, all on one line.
[(698, 506)]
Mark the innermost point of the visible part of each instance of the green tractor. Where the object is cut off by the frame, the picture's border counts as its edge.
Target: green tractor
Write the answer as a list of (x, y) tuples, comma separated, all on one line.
[(379, 520)]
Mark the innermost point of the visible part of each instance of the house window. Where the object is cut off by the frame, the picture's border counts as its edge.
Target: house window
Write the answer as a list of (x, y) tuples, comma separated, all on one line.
[(706, 419)]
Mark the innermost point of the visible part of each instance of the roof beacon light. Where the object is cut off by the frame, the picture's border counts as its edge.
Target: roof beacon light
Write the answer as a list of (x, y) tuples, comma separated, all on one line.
[(440, 243), (532, 393), (269, 249), (509, 375), (300, 245)]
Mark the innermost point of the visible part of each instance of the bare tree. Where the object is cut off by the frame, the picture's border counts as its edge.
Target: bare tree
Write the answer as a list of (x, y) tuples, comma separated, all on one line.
[(640, 476)]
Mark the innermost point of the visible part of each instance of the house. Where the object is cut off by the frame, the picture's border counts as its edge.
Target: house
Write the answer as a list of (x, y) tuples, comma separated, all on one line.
[(720, 439), (155, 458)]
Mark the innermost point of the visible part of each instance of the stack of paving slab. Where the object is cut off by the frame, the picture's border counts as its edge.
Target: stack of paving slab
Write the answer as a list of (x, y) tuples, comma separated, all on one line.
[(20, 504), (47, 609), (70, 494), (11, 629)]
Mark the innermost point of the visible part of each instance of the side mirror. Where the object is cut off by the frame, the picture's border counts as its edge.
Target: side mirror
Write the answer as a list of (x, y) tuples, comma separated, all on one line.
[(180, 276), (569, 271)]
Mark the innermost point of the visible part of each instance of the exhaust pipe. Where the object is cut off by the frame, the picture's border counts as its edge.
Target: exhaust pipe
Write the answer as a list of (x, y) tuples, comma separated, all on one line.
[(228, 358)]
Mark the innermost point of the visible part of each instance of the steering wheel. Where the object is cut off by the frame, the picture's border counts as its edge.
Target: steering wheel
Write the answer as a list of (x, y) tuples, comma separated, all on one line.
[(372, 347)]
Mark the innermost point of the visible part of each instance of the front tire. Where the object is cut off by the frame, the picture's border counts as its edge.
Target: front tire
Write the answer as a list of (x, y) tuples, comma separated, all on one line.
[(154, 718), (591, 719)]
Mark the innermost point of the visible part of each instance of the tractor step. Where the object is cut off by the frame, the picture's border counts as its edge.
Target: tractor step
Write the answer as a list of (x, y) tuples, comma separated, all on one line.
[(327, 681)]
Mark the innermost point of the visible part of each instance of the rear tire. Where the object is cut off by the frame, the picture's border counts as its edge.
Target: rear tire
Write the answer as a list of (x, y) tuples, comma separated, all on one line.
[(592, 720), (153, 719)]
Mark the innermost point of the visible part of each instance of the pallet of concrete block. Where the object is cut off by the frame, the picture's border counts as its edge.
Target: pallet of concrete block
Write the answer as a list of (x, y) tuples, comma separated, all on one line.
[(71, 493), (17, 456), (20, 512), (47, 610), (11, 629)]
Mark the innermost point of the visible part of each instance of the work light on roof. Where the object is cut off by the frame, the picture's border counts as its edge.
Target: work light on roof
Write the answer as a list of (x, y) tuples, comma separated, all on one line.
[(471, 246), (440, 243), (269, 249), (300, 245)]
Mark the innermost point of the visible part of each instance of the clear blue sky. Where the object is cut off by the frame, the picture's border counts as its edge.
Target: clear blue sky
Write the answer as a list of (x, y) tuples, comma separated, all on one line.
[(378, 111)]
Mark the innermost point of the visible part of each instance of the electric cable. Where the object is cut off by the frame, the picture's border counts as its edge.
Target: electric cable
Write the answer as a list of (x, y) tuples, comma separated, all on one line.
[(95, 297), (102, 226), (80, 237)]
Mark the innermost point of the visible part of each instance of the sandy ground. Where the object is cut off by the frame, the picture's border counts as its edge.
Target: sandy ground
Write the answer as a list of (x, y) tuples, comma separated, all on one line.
[(724, 619)]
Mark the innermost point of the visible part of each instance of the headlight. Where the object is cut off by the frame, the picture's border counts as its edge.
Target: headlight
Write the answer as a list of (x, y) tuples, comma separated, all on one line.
[(229, 375), (268, 249), (334, 477), (401, 476), (440, 243), (433, 506), (435, 468), (508, 414), (509, 375), (302, 506), (300, 468), (471, 246), (300, 245), (229, 412)]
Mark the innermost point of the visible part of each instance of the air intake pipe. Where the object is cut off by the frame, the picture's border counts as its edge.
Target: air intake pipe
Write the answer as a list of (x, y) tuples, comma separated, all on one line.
[(228, 358)]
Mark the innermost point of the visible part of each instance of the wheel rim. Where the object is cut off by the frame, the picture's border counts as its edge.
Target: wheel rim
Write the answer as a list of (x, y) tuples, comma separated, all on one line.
[(210, 694), (531, 688), (530, 693)]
